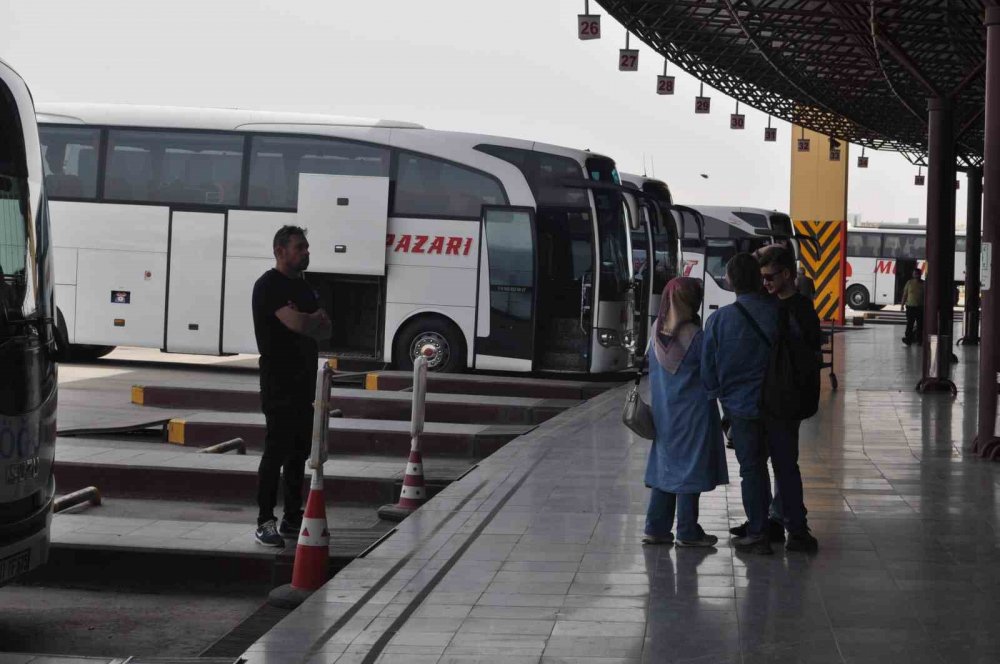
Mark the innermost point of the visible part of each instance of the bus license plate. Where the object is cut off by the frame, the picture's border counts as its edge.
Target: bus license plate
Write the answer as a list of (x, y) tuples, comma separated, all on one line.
[(15, 565), (22, 470)]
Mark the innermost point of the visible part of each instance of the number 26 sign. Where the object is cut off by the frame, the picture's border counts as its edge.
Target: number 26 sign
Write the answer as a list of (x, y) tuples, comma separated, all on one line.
[(588, 26)]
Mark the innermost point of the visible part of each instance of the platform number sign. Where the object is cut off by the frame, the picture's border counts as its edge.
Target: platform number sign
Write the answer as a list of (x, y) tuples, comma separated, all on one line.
[(918, 180), (862, 162), (771, 134), (834, 154), (664, 85), (737, 121), (588, 26), (702, 104), (628, 59), (803, 144)]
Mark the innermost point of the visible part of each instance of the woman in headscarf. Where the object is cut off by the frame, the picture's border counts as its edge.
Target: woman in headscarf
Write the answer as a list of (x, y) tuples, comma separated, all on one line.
[(687, 457)]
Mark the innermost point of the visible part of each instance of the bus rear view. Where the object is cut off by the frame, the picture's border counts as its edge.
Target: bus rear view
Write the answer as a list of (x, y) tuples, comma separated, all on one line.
[(27, 366)]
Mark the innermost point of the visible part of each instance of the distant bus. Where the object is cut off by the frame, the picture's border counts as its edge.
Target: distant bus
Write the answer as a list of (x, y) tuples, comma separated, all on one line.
[(880, 261), (27, 344), (486, 252), (729, 230)]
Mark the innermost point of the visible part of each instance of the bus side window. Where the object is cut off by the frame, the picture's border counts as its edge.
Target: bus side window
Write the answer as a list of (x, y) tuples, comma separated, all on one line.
[(69, 159), (431, 187), (277, 161), (174, 167)]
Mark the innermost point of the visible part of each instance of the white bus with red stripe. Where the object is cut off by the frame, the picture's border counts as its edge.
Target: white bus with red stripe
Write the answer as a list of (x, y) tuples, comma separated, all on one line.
[(881, 260), (492, 253)]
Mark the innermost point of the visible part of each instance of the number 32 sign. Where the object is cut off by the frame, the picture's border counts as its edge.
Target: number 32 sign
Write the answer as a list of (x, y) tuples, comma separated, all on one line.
[(588, 26)]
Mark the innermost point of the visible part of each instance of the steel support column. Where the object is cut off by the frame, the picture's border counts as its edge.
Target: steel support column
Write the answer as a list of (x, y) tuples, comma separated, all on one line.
[(973, 238), (986, 443), (939, 304)]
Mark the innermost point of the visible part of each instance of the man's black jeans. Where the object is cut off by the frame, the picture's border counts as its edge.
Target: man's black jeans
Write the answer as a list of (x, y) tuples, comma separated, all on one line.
[(286, 447), (914, 324), (787, 505)]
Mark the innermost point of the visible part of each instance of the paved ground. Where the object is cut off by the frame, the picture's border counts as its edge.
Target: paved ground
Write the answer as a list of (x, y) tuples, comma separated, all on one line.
[(535, 556)]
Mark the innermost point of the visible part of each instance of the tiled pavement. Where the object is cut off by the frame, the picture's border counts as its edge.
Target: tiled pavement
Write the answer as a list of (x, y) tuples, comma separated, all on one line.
[(535, 556)]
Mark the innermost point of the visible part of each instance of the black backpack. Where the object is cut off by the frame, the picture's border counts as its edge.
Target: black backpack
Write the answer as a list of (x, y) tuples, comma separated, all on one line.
[(791, 384)]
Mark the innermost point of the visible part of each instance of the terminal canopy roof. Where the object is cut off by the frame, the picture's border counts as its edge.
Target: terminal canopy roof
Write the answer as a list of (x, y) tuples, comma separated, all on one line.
[(857, 70)]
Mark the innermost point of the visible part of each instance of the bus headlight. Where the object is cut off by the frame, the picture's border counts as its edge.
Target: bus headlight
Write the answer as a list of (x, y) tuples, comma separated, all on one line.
[(608, 338)]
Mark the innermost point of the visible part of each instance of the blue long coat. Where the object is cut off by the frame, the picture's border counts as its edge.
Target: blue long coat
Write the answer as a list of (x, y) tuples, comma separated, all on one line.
[(688, 455)]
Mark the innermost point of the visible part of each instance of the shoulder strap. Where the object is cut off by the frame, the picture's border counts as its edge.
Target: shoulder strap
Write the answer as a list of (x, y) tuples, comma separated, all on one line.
[(753, 323)]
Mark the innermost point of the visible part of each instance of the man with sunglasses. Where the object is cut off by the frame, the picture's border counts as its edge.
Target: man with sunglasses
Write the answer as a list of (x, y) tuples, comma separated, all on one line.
[(787, 510)]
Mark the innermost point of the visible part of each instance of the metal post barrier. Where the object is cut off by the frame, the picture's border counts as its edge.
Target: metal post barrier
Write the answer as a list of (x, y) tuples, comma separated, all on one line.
[(226, 446), (414, 491), (321, 417), (88, 495)]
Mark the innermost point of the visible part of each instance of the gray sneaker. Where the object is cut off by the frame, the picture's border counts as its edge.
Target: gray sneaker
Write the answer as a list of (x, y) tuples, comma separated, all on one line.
[(655, 539), (758, 545), (267, 535), (705, 540)]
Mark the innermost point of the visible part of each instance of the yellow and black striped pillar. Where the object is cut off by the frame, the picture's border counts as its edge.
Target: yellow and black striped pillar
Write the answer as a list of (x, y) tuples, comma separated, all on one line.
[(823, 261), (818, 206)]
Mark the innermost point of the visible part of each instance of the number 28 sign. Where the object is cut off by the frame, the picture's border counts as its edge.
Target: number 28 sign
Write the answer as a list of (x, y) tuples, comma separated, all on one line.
[(664, 85), (588, 26)]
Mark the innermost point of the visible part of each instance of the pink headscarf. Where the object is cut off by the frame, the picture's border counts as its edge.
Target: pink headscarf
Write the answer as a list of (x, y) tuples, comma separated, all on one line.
[(678, 320)]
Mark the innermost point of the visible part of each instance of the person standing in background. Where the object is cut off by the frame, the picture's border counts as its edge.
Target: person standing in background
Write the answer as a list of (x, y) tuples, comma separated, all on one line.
[(913, 301)]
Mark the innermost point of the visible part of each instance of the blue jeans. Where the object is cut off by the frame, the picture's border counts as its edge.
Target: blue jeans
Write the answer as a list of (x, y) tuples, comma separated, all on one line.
[(751, 451), (787, 506), (660, 514)]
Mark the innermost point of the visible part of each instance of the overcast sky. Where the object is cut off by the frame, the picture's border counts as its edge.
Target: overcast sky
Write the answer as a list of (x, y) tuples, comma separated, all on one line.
[(513, 69)]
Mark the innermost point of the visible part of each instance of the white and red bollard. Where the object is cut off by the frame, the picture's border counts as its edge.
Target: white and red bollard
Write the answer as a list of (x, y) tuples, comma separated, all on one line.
[(312, 554), (414, 492)]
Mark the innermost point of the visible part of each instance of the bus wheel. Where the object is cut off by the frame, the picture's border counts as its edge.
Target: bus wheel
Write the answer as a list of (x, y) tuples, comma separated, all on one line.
[(858, 298), (438, 339)]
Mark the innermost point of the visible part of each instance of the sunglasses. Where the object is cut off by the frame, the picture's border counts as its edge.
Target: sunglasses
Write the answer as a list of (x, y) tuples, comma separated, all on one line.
[(769, 276)]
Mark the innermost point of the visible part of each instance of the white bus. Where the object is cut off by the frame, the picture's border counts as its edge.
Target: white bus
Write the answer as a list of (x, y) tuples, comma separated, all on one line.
[(656, 234), (27, 344), (492, 253), (880, 261), (729, 230)]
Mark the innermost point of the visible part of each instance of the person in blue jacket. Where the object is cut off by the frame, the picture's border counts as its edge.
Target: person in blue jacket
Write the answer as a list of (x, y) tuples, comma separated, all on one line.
[(688, 456)]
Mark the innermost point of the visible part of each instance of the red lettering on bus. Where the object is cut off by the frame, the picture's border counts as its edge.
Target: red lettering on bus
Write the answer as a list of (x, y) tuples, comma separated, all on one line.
[(454, 245), (389, 239), (468, 246), (418, 246), (403, 244), (885, 267), (848, 271), (437, 246)]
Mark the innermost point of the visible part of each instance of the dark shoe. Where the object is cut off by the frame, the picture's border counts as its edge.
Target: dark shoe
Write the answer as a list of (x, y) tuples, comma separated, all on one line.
[(654, 539), (756, 545), (267, 535), (775, 531), (906, 341), (804, 542), (704, 541), (290, 525)]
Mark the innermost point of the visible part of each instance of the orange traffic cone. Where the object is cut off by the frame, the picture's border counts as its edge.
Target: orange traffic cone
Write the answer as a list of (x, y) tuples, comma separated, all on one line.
[(414, 493), (312, 555)]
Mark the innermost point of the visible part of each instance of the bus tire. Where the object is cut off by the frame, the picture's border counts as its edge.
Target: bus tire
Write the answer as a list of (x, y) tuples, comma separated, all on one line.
[(858, 298), (62, 338), (436, 333), (87, 352)]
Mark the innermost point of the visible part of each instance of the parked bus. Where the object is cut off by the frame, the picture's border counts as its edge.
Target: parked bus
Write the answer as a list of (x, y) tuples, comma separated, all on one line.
[(27, 347), (656, 234), (491, 253), (880, 261), (727, 231)]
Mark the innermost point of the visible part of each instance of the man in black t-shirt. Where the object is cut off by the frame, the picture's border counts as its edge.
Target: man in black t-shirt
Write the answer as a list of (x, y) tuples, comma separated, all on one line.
[(287, 322)]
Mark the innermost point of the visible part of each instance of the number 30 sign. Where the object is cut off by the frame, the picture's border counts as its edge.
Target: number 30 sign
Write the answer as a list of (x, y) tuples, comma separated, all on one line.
[(588, 26)]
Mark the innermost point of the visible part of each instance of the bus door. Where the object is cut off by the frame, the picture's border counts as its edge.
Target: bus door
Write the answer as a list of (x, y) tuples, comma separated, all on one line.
[(691, 229), (194, 282), (644, 264), (508, 277)]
